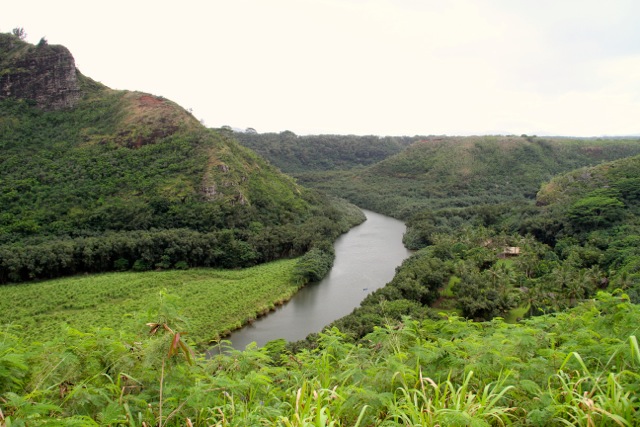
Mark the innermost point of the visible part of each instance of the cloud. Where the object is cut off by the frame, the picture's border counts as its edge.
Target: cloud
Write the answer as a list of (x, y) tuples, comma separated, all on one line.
[(355, 66)]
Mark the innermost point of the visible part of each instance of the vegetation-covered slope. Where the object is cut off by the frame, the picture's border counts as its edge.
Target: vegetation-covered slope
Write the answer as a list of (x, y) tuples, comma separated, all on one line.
[(298, 154), (581, 238), (117, 178), (130, 161), (593, 215), (449, 172), (594, 197)]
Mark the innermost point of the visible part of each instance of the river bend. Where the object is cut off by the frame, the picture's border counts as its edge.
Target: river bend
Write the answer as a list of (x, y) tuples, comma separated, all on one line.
[(366, 259)]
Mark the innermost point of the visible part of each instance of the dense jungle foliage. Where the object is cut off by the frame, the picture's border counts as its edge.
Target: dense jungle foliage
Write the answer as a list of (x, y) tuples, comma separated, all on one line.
[(296, 154), (128, 180), (578, 367), (593, 216)]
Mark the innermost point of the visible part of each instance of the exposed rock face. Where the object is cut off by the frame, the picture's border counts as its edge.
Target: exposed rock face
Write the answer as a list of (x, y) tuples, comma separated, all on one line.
[(45, 73)]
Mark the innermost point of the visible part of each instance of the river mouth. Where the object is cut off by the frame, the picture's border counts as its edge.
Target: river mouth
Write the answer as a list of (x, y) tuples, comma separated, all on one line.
[(366, 260)]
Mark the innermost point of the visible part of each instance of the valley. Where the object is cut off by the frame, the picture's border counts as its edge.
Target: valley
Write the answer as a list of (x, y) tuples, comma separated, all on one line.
[(133, 238)]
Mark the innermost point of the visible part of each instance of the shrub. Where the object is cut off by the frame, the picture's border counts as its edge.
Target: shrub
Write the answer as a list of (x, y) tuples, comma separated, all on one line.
[(141, 265), (313, 266), (121, 264), (181, 265)]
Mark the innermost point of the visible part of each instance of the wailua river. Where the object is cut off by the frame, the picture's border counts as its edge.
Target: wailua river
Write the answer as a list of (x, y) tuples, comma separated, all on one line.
[(366, 259)]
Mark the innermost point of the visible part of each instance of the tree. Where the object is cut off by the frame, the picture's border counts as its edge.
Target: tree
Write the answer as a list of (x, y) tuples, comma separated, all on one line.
[(595, 211), (487, 294), (312, 266), (20, 33)]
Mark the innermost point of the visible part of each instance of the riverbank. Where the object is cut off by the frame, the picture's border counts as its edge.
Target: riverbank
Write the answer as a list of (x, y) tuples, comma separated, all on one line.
[(216, 303), (365, 259)]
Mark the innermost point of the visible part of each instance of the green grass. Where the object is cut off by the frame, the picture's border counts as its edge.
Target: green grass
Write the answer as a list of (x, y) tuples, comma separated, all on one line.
[(213, 301), (507, 262)]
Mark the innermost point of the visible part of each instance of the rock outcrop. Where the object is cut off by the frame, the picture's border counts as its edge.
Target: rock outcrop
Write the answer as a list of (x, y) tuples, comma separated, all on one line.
[(45, 74)]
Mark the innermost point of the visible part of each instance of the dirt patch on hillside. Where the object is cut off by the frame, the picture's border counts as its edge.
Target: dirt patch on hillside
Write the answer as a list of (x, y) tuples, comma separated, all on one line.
[(149, 118)]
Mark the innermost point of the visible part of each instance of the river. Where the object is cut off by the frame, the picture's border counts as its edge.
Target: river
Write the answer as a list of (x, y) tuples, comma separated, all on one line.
[(366, 259)]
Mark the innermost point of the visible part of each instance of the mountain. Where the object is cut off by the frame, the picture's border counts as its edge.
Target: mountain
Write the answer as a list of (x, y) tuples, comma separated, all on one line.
[(437, 183), (88, 174), (457, 172)]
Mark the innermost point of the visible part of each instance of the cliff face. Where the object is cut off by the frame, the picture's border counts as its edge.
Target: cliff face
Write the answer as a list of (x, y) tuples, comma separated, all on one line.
[(44, 73)]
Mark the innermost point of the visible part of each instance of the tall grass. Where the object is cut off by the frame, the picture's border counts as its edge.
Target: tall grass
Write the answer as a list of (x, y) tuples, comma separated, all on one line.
[(450, 404), (582, 398)]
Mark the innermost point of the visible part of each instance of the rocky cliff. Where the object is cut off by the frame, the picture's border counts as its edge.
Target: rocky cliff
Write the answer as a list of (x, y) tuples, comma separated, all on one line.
[(45, 74)]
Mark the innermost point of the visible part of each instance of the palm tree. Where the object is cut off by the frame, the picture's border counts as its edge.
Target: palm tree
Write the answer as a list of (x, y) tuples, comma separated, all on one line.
[(563, 281)]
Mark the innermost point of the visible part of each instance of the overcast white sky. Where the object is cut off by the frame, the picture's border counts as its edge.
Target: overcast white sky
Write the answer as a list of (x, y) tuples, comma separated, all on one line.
[(403, 67)]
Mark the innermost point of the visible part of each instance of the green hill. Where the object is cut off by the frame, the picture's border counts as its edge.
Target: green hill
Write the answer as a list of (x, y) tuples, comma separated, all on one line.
[(450, 172), (620, 179), (593, 215), (296, 154), (86, 182), (581, 236), (590, 201)]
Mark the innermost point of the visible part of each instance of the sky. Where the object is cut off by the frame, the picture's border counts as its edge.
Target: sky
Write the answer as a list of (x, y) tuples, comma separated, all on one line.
[(363, 67)]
